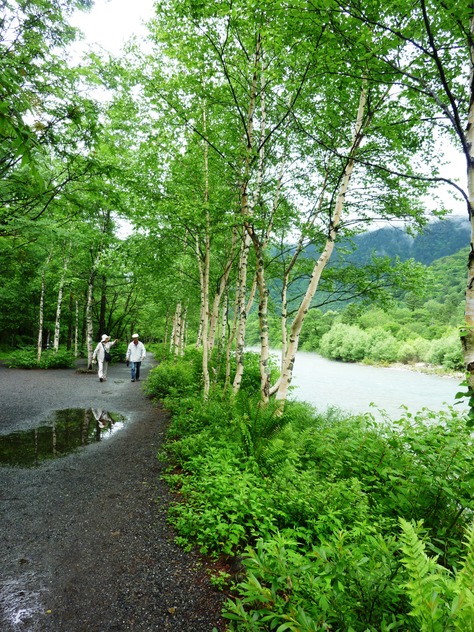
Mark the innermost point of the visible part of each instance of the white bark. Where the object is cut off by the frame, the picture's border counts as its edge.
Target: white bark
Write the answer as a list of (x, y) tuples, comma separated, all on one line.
[(241, 312), (287, 373), (202, 313), (183, 331), (89, 301), (468, 337), (89, 325), (39, 347), (41, 318), (206, 271), (177, 330), (57, 325), (220, 292), (76, 331)]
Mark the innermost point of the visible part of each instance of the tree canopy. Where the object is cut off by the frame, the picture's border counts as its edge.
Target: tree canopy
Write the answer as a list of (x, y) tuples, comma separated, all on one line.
[(239, 147)]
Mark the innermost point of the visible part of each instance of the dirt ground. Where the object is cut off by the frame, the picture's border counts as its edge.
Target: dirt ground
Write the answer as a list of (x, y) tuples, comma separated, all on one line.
[(85, 543)]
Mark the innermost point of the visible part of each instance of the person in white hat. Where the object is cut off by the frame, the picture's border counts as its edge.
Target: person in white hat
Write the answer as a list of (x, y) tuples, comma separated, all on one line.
[(102, 356), (136, 353)]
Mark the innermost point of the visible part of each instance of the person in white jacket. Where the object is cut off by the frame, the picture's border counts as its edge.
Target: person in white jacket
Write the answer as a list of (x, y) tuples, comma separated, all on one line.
[(136, 353), (99, 356)]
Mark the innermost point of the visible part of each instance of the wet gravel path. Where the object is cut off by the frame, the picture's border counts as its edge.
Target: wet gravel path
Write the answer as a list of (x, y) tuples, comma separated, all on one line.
[(84, 540)]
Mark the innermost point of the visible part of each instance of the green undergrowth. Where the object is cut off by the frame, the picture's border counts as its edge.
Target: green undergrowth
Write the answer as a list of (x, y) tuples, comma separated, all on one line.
[(335, 522), (27, 358)]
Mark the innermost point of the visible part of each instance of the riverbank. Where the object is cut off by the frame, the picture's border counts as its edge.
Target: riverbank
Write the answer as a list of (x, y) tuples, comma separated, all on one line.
[(421, 367)]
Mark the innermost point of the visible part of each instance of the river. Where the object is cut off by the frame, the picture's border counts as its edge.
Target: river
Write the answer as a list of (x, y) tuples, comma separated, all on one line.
[(353, 387)]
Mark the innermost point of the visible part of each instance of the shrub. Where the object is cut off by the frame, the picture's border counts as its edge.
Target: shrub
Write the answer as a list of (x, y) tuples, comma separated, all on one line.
[(415, 350), (447, 352), (351, 581), (315, 502), (174, 378), (27, 359), (344, 342), (381, 346), (60, 359), (225, 504)]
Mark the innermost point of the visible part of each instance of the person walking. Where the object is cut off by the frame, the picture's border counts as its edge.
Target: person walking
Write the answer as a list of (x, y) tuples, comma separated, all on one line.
[(102, 356), (136, 353)]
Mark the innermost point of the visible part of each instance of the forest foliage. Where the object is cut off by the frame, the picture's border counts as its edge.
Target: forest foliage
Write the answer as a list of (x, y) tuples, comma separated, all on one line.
[(217, 189), (320, 522)]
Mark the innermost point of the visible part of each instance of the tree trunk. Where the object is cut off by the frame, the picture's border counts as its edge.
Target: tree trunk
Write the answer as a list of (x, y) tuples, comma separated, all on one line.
[(263, 324), (40, 319), (89, 324), (88, 316), (241, 312), (202, 312), (220, 292), (177, 325), (468, 333), (103, 305), (57, 325), (288, 364), (76, 331), (206, 270), (184, 331), (39, 347)]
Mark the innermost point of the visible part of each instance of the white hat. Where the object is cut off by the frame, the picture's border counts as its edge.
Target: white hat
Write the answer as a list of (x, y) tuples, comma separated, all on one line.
[(135, 336), (104, 337)]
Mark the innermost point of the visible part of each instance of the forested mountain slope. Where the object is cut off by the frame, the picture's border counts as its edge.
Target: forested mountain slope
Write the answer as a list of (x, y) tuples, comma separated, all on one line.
[(439, 239)]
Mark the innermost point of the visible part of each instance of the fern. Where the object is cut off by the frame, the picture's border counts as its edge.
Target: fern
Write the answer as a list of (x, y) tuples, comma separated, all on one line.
[(462, 608), (440, 602), (260, 427)]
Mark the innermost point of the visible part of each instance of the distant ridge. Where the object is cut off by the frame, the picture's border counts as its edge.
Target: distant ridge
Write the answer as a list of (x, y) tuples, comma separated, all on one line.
[(439, 239)]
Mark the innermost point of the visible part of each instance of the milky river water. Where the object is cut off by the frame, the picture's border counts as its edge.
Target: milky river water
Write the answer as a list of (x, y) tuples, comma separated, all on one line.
[(353, 387)]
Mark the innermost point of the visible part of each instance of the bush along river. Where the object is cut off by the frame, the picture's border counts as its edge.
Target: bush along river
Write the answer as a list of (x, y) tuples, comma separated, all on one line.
[(355, 387)]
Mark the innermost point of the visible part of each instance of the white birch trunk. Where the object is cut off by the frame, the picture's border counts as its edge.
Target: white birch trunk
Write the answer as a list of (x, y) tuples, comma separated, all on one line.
[(287, 373), (39, 347), (224, 321), (183, 328), (205, 328), (76, 331), (245, 246), (220, 292), (57, 324), (177, 330), (241, 312), (202, 316), (206, 271), (89, 325), (468, 333), (41, 318), (89, 301), (263, 323)]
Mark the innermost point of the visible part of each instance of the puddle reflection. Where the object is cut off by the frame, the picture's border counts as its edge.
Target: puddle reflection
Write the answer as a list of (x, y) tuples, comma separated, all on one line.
[(64, 433)]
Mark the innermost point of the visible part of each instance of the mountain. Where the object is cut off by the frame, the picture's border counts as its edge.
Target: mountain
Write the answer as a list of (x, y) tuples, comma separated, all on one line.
[(439, 239)]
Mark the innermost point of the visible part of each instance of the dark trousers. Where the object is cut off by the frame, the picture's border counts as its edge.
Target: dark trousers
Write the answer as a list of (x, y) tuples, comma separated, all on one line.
[(135, 366)]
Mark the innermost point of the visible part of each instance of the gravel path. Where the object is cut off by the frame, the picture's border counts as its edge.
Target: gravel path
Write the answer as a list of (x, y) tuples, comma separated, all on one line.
[(85, 544)]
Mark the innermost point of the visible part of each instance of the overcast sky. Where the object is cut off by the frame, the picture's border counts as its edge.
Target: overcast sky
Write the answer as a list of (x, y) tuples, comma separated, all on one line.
[(111, 22)]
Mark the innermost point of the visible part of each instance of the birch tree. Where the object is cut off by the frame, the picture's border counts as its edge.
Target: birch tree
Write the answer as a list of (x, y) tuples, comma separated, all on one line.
[(269, 124), (437, 71), (39, 345), (57, 324)]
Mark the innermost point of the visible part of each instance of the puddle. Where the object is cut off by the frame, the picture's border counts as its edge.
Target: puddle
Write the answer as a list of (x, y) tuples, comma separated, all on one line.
[(62, 434), (21, 605)]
